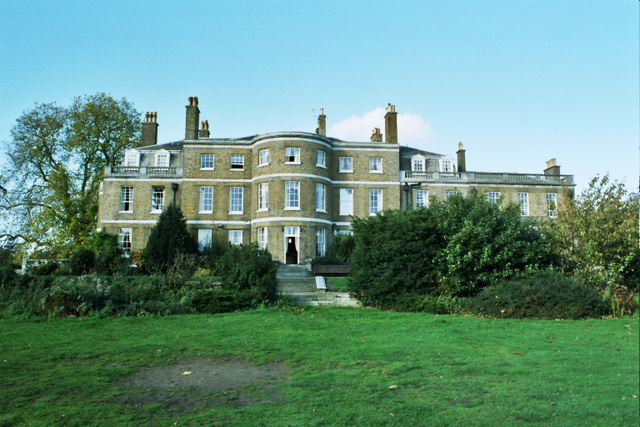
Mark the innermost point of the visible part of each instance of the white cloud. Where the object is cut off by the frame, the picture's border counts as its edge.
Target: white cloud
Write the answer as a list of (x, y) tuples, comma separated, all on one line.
[(412, 128)]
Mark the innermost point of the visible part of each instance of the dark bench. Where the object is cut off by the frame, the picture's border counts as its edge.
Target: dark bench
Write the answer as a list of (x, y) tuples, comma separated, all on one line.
[(331, 270)]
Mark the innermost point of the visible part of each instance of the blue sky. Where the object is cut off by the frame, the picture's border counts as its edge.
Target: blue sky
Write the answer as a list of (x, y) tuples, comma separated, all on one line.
[(518, 82)]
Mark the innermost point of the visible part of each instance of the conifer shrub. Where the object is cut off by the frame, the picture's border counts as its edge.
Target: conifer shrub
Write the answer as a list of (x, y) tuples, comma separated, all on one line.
[(168, 238), (542, 295)]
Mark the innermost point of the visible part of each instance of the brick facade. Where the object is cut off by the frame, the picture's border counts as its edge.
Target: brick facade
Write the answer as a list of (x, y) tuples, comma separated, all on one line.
[(305, 175)]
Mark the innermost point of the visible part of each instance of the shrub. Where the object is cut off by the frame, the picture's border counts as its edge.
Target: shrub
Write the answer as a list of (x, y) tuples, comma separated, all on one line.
[(108, 259), (250, 273), (47, 269), (454, 248), (81, 262), (168, 238), (543, 295), (327, 260), (342, 246)]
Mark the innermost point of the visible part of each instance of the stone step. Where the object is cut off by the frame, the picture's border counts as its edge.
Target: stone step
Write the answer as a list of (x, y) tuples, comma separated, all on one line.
[(324, 298)]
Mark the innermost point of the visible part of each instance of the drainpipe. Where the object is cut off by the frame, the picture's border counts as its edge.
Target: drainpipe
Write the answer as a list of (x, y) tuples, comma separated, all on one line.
[(174, 187)]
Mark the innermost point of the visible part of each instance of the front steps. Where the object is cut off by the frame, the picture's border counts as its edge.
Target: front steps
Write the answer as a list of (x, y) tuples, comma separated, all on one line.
[(297, 283)]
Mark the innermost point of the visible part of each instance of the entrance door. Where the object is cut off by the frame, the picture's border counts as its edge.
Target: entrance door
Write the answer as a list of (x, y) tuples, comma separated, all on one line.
[(292, 252), (291, 244)]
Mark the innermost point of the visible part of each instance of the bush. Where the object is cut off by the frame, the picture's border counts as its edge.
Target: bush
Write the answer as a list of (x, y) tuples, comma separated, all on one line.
[(453, 248), (342, 246), (108, 256), (544, 295), (81, 262), (47, 269), (168, 238), (250, 273), (327, 260)]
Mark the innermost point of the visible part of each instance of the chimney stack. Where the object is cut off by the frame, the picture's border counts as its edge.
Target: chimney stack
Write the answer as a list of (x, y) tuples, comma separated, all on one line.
[(462, 164), (376, 135), (149, 129), (552, 168), (193, 117), (322, 124), (391, 125), (204, 129)]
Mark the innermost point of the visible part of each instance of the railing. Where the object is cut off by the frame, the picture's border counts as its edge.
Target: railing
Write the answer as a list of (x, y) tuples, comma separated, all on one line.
[(490, 177), (141, 170)]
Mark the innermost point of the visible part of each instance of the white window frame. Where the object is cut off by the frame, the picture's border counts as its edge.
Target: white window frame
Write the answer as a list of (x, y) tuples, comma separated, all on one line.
[(321, 239), (292, 155), (552, 198), (375, 201), (264, 157), (447, 166), (237, 162), (346, 201), (235, 237), (160, 155), (375, 164), (263, 196), (321, 197), (157, 199), (236, 200), (206, 199), (126, 199), (346, 164), (263, 236), (131, 158), (292, 195), (321, 159), (207, 159), (523, 202), (418, 163), (205, 236), (493, 196), (125, 241), (422, 198)]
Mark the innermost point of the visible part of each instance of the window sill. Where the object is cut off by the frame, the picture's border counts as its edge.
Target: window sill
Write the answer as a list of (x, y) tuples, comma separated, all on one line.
[(207, 169), (321, 210), (155, 212), (236, 170), (263, 165), (345, 171), (125, 212), (375, 171), (292, 163), (263, 210), (291, 209), (321, 166), (205, 212), (236, 213)]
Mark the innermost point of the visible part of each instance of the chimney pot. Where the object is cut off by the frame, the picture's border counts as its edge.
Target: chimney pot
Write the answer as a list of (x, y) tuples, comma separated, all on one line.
[(149, 129), (462, 162)]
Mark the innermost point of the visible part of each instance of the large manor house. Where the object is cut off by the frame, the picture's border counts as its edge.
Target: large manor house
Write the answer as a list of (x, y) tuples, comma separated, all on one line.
[(291, 191)]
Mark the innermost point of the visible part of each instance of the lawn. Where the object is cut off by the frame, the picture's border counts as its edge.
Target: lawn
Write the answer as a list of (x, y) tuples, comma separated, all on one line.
[(323, 366)]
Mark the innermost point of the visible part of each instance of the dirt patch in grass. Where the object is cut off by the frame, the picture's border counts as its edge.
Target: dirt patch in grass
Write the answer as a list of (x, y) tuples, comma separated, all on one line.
[(193, 383)]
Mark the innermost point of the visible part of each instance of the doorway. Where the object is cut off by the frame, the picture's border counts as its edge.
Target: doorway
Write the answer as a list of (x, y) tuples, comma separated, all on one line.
[(292, 252), (291, 244)]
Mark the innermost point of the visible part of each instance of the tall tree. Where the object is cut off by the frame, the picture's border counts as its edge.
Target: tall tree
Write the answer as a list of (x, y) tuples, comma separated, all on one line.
[(56, 158)]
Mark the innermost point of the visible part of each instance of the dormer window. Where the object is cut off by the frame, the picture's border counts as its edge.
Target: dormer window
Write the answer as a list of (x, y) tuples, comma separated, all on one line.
[(446, 165), (417, 163), (162, 159), (132, 158)]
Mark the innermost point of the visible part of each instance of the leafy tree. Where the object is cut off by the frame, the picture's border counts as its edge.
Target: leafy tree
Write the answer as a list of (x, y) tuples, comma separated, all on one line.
[(342, 246), (596, 235), (56, 158), (168, 239)]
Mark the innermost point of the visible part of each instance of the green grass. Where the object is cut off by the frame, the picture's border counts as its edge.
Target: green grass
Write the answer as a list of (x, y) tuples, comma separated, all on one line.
[(447, 370), (338, 284)]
